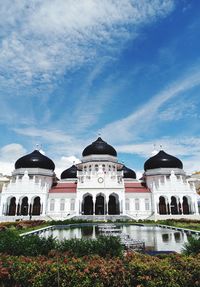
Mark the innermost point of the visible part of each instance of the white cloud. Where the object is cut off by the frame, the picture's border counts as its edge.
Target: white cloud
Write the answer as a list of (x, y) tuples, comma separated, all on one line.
[(52, 136), (180, 109), (8, 155), (186, 149), (41, 39), (145, 117), (65, 162)]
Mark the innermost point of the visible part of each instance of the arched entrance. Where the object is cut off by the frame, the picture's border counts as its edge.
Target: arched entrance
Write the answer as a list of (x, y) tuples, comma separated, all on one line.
[(36, 206), (113, 204), (100, 205), (162, 205), (87, 206), (174, 205), (12, 206), (186, 209), (24, 206)]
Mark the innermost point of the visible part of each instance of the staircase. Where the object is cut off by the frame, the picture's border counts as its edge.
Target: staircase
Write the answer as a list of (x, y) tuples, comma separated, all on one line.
[(103, 217)]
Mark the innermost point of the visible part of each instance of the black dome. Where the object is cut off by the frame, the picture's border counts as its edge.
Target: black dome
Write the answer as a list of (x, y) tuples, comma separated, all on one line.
[(35, 160), (162, 160), (128, 173), (69, 173), (99, 147)]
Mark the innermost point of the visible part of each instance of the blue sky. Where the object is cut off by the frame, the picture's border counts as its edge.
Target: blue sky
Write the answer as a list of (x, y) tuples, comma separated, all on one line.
[(127, 69)]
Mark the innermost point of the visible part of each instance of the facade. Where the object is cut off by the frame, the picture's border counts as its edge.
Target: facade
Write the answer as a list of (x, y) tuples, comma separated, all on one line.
[(98, 186)]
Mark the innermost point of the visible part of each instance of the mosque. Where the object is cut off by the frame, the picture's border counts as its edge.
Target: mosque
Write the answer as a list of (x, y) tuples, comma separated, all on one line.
[(99, 186)]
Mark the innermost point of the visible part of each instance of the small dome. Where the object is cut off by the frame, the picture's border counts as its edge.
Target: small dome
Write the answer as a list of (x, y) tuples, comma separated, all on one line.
[(35, 160), (69, 173), (99, 147), (128, 173), (162, 160)]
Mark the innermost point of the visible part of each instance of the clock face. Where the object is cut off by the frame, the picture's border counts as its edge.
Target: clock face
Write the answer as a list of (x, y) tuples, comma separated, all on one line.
[(100, 179)]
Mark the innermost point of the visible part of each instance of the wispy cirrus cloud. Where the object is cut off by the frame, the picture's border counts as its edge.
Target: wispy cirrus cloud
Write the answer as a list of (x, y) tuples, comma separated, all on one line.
[(187, 149), (137, 123), (41, 39), (52, 136)]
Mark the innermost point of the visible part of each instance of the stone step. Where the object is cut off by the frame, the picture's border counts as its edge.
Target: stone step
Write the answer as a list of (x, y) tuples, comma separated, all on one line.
[(103, 217)]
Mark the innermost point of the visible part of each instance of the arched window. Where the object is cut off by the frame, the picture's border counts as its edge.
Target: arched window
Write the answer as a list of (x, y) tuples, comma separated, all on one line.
[(62, 204), (24, 206), (162, 205), (137, 204), (113, 204), (87, 205), (36, 206), (12, 206), (127, 204), (174, 205), (96, 167), (147, 207), (186, 209), (72, 207), (52, 204)]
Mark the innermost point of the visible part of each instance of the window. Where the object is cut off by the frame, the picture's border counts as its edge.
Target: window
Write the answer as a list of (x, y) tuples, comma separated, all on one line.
[(146, 204), (52, 204), (96, 167), (62, 205), (72, 205), (137, 204), (127, 204)]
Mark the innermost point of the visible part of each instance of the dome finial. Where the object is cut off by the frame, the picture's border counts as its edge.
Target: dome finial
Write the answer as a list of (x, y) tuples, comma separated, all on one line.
[(161, 147), (154, 151)]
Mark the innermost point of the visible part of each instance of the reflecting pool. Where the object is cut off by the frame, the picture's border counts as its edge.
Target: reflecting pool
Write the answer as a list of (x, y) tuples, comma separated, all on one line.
[(155, 238)]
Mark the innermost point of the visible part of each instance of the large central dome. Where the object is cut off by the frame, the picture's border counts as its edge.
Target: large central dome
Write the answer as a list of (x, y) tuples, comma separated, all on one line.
[(99, 147), (35, 160), (162, 160)]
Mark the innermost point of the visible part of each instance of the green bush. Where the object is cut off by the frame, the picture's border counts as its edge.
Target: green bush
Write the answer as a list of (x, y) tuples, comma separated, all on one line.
[(192, 247), (33, 245), (132, 270), (102, 246)]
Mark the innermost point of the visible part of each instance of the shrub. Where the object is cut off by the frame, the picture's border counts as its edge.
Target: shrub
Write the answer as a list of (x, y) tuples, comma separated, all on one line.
[(192, 247), (102, 246), (133, 270), (11, 243)]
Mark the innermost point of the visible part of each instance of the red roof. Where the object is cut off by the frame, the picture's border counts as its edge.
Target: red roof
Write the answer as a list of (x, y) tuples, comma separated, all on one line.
[(64, 187), (135, 187)]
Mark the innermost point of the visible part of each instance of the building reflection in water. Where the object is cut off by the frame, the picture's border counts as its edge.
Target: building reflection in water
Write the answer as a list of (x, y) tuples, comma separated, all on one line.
[(155, 238)]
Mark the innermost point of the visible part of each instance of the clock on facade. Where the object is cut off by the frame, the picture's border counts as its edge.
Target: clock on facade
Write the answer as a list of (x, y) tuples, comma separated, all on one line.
[(100, 179)]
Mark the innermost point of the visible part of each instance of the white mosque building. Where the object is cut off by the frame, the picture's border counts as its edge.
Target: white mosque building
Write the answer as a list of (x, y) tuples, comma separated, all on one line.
[(99, 186)]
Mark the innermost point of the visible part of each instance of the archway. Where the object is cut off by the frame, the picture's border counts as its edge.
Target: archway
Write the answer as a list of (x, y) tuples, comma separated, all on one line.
[(174, 205), (87, 207), (186, 209), (24, 206), (113, 204), (100, 205), (162, 205), (12, 206), (36, 206)]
